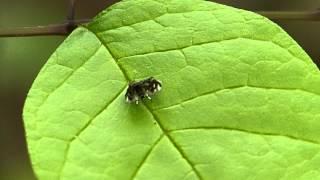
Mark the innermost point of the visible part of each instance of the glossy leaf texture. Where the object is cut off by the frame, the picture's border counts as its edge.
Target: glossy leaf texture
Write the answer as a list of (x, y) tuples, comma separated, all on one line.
[(240, 98)]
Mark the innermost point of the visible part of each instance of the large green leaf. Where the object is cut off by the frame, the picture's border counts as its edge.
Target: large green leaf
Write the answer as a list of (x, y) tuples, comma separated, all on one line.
[(240, 98)]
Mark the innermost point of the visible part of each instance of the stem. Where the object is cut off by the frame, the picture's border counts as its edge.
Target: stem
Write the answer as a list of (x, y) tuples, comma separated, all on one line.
[(64, 29), (292, 15), (71, 11), (70, 17)]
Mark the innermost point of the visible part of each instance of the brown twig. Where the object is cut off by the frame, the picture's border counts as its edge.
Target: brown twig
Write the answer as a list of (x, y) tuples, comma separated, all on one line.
[(62, 29), (70, 16), (292, 15), (71, 10), (66, 28)]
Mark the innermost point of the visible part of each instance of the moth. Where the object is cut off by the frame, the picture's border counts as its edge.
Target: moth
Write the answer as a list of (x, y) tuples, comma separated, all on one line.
[(139, 90)]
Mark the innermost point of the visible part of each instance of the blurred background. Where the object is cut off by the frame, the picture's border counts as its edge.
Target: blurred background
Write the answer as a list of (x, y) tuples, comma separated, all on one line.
[(22, 57)]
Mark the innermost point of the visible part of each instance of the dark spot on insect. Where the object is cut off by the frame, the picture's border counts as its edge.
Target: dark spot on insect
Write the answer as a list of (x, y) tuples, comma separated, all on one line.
[(138, 90)]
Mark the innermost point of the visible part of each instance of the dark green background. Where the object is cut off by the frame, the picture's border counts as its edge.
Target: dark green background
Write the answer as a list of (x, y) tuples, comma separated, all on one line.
[(21, 59)]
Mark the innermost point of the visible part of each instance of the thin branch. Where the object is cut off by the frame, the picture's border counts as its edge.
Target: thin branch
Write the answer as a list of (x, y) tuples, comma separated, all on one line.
[(59, 29), (292, 15), (64, 29), (71, 10), (70, 16)]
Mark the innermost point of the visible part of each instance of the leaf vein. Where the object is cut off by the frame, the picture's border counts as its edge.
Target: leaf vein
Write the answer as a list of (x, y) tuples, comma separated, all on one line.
[(210, 42), (181, 152), (153, 19), (146, 156), (85, 127), (248, 132), (68, 77), (232, 88)]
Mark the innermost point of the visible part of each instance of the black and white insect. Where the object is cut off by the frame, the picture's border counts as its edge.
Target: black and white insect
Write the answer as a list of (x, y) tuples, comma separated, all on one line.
[(138, 90)]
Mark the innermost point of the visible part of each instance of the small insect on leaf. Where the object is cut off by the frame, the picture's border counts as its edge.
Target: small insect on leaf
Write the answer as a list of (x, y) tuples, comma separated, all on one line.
[(138, 90)]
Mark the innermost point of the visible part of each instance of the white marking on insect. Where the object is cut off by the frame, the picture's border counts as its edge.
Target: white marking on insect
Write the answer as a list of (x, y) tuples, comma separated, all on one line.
[(158, 88)]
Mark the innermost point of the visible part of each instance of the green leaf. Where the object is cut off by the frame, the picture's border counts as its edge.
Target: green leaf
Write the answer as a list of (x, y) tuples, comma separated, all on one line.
[(240, 98)]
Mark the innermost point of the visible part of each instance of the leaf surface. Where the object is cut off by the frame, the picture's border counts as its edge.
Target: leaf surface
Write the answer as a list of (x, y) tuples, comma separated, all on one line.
[(240, 98)]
